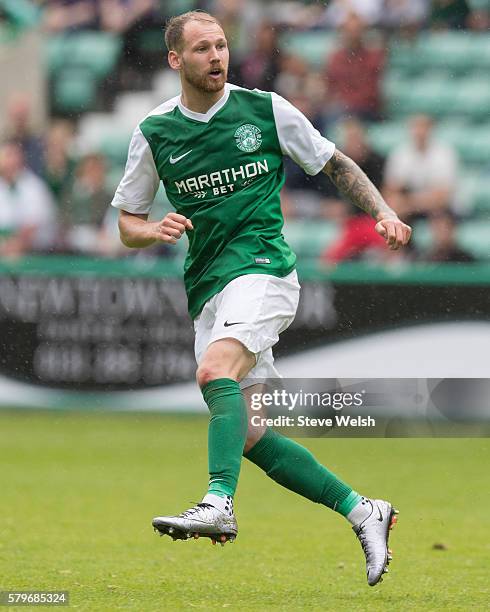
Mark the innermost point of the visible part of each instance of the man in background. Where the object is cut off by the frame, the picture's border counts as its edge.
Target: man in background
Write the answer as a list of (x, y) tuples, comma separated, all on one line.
[(421, 175), (27, 210)]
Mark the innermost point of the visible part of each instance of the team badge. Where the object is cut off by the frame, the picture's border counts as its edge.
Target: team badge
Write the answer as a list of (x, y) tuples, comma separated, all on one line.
[(248, 138)]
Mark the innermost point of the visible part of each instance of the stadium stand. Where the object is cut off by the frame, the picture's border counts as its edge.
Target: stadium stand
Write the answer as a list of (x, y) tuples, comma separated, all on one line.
[(442, 73)]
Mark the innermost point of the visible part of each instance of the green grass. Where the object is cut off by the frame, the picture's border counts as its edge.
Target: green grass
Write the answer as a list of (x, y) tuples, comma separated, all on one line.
[(78, 491)]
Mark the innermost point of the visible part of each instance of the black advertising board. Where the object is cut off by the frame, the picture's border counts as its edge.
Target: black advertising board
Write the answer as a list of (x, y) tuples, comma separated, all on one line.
[(114, 326)]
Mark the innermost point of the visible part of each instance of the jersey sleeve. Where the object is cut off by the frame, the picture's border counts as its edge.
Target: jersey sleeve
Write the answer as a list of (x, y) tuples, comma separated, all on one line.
[(298, 139), (139, 185)]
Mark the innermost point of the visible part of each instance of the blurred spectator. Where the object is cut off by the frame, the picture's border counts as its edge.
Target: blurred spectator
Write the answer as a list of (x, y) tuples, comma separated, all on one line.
[(421, 176), (354, 73), (451, 14), (444, 247), (27, 211), (305, 196), (70, 15), (292, 77), (261, 66), (479, 19), (19, 129), (339, 11), (139, 22), (58, 164), (109, 15), (409, 15), (121, 15), (357, 234), (238, 18), (84, 205)]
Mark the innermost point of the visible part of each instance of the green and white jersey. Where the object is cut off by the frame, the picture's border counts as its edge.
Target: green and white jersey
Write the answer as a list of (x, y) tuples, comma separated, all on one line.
[(223, 170)]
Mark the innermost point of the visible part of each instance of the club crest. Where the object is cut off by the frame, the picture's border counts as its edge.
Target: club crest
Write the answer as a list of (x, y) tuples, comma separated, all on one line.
[(248, 138)]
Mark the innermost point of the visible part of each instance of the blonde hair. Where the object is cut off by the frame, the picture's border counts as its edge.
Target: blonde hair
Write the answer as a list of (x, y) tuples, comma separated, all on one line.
[(174, 28)]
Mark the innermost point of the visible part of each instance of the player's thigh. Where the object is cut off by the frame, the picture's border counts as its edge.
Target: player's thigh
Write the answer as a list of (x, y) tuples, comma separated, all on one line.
[(225, 358)]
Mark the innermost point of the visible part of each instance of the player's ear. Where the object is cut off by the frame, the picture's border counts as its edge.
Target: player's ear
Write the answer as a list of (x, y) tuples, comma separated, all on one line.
[(174, 60)]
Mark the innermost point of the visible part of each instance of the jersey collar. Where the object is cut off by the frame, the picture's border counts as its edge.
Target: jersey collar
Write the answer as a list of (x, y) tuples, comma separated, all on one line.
[(205, 117)]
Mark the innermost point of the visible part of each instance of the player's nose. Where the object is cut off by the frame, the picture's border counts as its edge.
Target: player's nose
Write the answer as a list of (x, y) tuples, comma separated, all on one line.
[(214, 55)]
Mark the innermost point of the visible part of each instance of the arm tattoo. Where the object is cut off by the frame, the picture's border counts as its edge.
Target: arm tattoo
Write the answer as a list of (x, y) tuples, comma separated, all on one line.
[(352, 182)]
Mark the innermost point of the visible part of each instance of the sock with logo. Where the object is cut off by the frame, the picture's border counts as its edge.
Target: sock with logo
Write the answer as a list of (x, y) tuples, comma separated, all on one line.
[(225, 504), (226, 435), (294, 467), (360, 511)]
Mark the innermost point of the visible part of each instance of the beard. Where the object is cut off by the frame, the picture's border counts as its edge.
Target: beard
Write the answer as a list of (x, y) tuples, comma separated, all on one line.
[(203, 81)]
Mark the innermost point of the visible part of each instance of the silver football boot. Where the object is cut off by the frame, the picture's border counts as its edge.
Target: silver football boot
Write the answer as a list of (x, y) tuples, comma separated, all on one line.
[(373, 533), (203, 520)]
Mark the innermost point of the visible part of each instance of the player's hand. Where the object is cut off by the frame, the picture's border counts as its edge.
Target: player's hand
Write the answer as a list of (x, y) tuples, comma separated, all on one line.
[(171, 228), (395, 232)]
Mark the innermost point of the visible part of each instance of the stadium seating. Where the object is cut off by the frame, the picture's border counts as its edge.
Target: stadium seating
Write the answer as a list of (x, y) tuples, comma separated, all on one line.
[(74, 90), (97, 51), (471, 141), (92, 56), (436, 94), (20, 13), (309, 238), (443, 74), (472, 236), (458, 52), (474, 193), (314, 47)]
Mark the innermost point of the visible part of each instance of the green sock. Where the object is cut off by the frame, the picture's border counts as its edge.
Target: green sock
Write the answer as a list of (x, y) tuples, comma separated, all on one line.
[(226, 435), (294, 467)]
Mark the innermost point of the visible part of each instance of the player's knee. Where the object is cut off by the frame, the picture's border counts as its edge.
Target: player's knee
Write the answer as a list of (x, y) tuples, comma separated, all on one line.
[(207, 373)]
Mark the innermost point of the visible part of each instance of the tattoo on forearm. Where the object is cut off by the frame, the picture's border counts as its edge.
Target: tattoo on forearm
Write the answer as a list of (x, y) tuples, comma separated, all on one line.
[(352, 182)]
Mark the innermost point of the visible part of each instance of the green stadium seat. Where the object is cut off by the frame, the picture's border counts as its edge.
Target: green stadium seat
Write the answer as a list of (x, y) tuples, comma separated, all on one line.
[(74, 91), (471, 141), (473, 237), (481, 50), (149, 41), (439, 95), (478, 5), (451, 51), (404, 58), (309, 238), (115, 147), (475, 193), (95, 51), (114, 176), (21, 13), (472, 97), (314, 47), (394, 83), (455, 51), (431, 93), (384, 137), (98, 51), (57, 48)]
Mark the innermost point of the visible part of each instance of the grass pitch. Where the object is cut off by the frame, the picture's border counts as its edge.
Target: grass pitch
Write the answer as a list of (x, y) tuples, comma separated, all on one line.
[(78, 492)]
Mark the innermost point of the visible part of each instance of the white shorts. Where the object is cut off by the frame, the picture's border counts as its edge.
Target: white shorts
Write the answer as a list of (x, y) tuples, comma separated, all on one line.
[(254, 309)]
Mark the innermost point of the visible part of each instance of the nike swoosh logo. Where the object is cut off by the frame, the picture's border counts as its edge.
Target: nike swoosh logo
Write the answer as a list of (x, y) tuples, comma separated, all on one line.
[(380, 518), (174, 160), (226, 324)]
